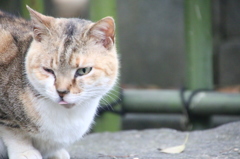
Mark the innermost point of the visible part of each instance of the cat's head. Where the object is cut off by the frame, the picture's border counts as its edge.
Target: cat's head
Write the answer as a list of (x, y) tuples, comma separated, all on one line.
[(71, 61)]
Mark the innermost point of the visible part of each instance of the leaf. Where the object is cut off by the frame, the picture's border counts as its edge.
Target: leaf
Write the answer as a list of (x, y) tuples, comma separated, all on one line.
[(175, 149)]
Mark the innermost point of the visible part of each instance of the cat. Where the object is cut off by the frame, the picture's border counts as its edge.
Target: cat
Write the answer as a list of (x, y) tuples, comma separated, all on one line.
[(53, 73)]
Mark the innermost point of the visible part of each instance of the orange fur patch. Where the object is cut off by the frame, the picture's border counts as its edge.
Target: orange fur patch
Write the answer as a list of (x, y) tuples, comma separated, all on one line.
[(39, 74), (8, 50), (27, 99)]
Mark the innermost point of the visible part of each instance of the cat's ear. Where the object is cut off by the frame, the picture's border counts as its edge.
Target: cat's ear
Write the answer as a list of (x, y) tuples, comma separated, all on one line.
[(41, 24), (104, 32)]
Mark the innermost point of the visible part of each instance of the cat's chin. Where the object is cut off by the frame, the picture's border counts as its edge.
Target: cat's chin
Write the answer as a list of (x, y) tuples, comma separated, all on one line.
[(66, 104)]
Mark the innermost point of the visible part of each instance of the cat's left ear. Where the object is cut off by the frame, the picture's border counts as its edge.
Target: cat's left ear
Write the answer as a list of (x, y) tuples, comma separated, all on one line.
[(41, 24), (104, 32)]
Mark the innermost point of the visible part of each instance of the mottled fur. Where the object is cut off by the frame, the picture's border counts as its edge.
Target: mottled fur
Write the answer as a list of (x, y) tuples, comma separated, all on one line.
[(45, 105)]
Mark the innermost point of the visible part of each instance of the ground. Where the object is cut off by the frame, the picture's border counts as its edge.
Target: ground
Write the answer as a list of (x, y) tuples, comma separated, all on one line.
[(218, 143)]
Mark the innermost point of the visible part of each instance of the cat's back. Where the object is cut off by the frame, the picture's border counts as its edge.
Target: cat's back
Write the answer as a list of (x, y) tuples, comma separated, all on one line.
[(13, 24), (15, 36)]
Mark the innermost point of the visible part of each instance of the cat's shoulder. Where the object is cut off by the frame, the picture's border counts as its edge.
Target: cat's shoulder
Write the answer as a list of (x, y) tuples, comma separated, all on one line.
[(8, 48), (8, 18), (13, 31)]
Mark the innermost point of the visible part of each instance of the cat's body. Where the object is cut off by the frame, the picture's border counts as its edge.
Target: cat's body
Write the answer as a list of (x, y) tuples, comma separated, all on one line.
[(53, 73)]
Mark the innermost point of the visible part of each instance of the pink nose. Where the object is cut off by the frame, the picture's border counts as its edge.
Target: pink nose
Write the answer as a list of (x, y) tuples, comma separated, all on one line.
[(62, 93)]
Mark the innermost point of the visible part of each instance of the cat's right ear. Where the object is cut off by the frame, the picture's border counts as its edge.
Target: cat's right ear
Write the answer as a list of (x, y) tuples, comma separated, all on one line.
[(103, 32), (41, 24)]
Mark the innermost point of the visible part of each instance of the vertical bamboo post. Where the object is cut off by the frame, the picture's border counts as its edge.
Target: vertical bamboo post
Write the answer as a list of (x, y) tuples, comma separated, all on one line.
[(98, 10), (101, 9), (37, 5), (198, 30)]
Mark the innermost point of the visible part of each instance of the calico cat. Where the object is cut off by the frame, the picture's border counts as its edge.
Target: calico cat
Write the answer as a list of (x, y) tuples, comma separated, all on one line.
[(53, 73)]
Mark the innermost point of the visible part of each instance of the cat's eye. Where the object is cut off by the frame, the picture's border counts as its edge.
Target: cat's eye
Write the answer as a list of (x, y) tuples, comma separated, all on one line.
[(48, 70), (83, 71)]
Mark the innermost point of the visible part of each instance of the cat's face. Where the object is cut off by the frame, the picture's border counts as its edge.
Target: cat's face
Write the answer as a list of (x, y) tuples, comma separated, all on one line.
[(71, 61)]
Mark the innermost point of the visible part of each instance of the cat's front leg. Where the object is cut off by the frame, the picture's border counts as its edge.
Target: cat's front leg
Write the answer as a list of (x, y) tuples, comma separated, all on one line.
[(19, 146), (28, 154), (60, 154)]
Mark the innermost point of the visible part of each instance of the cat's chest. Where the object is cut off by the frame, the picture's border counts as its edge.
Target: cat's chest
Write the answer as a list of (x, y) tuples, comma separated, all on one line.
[(64, 126)]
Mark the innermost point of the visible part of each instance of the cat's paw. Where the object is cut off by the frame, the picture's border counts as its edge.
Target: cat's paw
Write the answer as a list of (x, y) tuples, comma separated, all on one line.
[(30, 154), (60, 154)]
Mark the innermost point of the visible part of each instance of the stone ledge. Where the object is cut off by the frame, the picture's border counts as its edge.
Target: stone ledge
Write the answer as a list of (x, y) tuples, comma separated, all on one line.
[(218, 143)]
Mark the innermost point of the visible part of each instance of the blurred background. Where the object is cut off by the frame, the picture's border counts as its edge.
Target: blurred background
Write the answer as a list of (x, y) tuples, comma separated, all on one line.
[(172, 52)]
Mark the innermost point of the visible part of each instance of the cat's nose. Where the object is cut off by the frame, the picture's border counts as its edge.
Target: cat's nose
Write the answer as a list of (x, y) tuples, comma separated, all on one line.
[(62, 92)]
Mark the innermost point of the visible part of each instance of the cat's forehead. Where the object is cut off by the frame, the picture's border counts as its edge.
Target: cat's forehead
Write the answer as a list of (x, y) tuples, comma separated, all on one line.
[(67, 40), (72, 27)]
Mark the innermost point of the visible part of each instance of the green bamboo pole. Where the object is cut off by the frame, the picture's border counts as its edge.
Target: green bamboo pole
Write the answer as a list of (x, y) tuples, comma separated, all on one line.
[(102, 8), (198, 31), (108, 122), (169, 101), (37, 5)]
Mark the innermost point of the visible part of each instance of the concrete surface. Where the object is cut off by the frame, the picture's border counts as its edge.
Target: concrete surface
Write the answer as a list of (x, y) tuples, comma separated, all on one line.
[(218, 143)]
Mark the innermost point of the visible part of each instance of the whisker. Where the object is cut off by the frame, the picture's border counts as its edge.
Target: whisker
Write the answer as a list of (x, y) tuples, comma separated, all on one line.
[(110, 97), (107, 104), (115, 96)]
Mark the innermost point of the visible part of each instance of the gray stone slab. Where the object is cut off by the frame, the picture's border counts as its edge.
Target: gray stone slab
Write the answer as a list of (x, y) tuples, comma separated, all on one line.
[(218, 143)]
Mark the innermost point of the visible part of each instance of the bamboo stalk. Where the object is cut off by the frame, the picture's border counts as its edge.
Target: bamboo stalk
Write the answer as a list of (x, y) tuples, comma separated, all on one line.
[(198, 30), (101, 9), (169, 101)]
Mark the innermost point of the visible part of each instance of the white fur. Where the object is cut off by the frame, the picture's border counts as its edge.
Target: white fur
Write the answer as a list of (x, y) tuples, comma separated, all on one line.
[(60, 126), (3, 149), (19, 145)]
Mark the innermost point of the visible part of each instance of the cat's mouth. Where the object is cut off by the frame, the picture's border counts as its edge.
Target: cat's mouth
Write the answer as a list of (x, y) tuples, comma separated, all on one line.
[(66, 104)]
